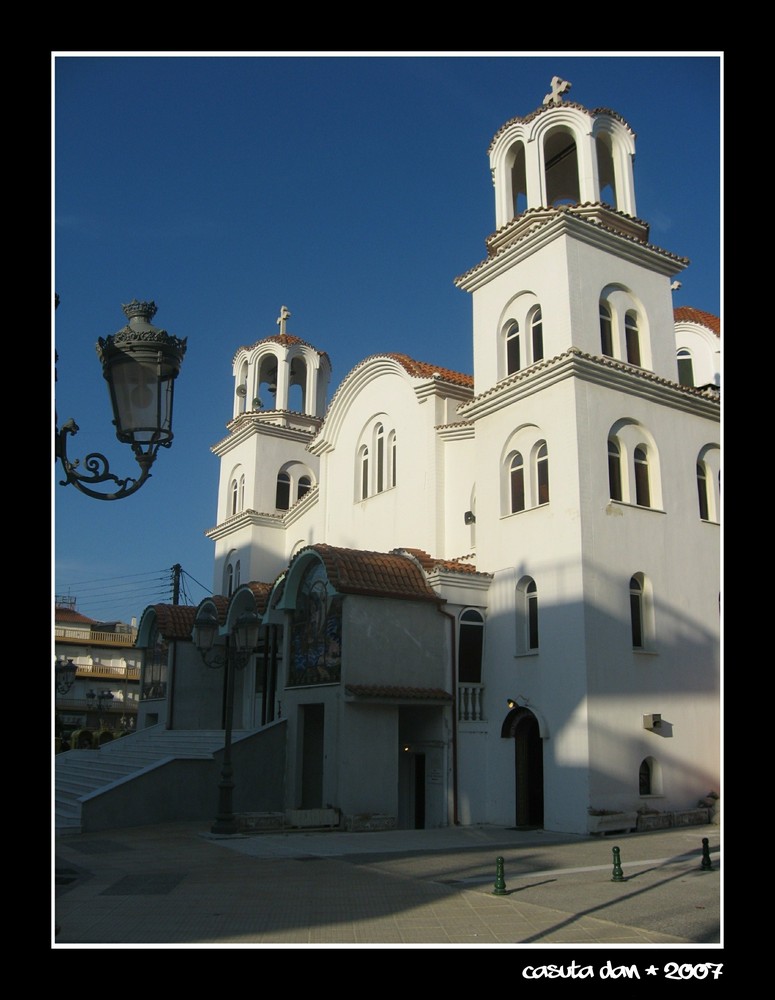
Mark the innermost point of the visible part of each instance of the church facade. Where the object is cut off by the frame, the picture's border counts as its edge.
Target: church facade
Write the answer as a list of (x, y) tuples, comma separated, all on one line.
[(491, 598)]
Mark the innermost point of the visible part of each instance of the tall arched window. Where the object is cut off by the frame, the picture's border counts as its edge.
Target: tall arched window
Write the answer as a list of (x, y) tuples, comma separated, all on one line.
[(364, 462), (542, 473), (644, 777), (236, 574), (685, 367), (606, 331), (614, 470), (229, 580), (512, 349), (241, 494), (234, 496), (393, 457), (283, 494), (517, 479), (527, 616), (702, 490), (642, 492), (379, 433), (636, 612), (537, 336), (470, 645), (632, 338)]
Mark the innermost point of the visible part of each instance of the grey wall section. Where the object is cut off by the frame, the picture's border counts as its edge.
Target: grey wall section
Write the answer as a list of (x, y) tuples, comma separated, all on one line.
[(188, 789)]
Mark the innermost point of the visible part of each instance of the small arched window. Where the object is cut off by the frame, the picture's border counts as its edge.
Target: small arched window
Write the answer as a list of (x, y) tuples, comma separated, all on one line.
[(614, 470), (542, 473), (685, 367), (531, 596), (305, 485), (644, 777), (234, 496), (393, 457), (537, 336), (517, 480), (606, 331), (632, 339), (642, 491), (283, 494), (229, 580), (236, 574), (241, 494), (512, 349)]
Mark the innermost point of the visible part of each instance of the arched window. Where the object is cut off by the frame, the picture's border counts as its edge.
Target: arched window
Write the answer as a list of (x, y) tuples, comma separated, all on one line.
[(234, 496), (393, 457), (649, 777), (642, 492), (283, 494), (517, 479), (606, 331), (542, 473), (470, 645), (379, 434), (702, 490), (236, 574), (241, 494), (512, 349), (632, 338), (642, 623), (229, 580), (685, 367), (636, 612), (527, 616), (305, 485), (537, 336), (614, 470), (364, 463)]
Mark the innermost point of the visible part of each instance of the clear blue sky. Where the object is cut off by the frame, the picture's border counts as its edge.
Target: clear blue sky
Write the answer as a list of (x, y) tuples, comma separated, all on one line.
[(351, 188)]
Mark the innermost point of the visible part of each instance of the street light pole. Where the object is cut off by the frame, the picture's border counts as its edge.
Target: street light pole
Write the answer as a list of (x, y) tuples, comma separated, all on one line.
[(237, 650)]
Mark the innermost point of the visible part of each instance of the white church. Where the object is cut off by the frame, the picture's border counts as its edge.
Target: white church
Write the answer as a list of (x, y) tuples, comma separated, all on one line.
[(489, 598)]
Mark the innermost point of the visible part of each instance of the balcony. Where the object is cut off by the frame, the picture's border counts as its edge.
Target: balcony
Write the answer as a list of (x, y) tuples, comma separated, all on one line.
[(95, 638)]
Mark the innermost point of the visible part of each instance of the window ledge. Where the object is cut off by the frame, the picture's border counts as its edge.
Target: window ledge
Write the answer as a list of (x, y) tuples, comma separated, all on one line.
[(634, 506), (645, 652), (522, 656)]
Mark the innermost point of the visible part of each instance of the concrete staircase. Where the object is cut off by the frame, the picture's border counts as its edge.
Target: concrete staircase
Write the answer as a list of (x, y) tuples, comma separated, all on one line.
[(91, 785)]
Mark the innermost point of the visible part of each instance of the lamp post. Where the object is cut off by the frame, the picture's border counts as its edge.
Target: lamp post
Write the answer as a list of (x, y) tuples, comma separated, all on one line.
[(232, 656), (140, 364)]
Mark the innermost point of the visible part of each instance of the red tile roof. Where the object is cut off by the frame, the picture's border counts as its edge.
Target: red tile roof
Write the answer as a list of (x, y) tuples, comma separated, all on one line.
[(374, 574), (423, 369), (398, 692), (175, 621), (429, 564), (286, 340), (686, 314), (69, 616)]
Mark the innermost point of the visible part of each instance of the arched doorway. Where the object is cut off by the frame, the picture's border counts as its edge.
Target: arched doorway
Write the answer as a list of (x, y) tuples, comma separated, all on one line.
[(522, 726)]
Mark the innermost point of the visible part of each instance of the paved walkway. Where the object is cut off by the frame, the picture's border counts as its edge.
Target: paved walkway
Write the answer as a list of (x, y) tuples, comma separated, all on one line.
[(177, 885)]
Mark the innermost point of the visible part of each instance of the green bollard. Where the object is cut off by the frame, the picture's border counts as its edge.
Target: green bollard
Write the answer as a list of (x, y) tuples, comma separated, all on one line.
[(500, 882), (706, 862), (618, 875)]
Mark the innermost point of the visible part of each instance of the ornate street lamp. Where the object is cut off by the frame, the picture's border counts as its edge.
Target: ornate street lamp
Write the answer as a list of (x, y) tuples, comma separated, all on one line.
[(233, 655), (99, 699), (64, 675), (140, 364)]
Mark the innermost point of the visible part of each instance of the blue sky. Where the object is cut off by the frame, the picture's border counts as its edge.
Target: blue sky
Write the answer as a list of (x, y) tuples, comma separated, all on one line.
[(351, 188)]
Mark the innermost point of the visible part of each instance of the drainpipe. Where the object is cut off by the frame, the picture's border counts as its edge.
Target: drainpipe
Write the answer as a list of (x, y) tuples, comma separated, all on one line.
[(452, 622)]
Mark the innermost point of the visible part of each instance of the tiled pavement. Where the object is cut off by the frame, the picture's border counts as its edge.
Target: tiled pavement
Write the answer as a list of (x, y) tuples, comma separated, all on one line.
[(177, 885)]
